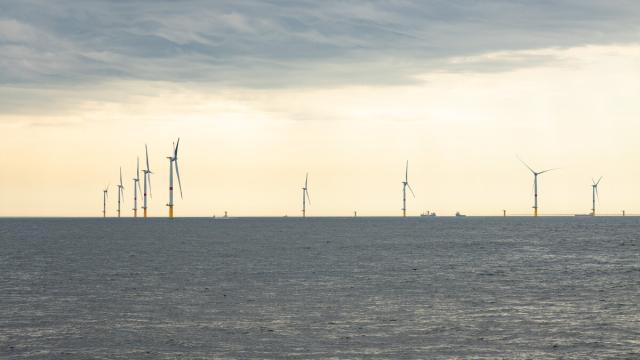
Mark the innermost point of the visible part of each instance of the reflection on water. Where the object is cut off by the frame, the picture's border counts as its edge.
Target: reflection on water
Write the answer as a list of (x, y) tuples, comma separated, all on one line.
[(319, 288)]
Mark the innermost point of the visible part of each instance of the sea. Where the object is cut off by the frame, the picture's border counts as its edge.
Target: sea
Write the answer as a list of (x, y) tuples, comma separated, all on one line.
[(320, 288)]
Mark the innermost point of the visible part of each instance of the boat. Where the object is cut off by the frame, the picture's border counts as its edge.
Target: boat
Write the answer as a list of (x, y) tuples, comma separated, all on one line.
[(460, 215)]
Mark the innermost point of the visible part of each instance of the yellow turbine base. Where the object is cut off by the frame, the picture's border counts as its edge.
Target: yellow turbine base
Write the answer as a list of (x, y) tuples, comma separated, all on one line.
[(535, 212), (145, 213), (135, 213), (170, 212)]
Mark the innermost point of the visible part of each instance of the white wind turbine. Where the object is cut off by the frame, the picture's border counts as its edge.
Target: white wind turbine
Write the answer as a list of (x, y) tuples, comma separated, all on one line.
[(535, 185), (305, 196), (105, 195), (120, 192), (136, 187), (147, 181), (405, 185), (594, 195), (173, 162)]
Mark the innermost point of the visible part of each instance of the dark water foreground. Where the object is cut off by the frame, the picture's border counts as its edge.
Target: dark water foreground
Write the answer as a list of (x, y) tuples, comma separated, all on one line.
[(320, 288)]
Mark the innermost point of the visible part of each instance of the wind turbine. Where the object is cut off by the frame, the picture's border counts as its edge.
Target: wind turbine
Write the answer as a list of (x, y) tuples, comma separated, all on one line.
[(120, 192), (305, 196), (173, 162), (105, 195), (535, 185), (405, 185), (147, 181), (594, 195), (136, 187)]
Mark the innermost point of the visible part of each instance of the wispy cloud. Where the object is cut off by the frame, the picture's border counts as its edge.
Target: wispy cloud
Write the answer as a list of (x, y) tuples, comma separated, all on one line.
[(289, 43)]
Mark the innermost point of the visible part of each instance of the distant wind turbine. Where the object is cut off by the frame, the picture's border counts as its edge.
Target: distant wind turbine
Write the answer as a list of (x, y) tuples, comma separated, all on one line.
[(405, 185), (173, 162), (120, 192), (147, 181), (136, 187), (594, 195), (105, 195), (305, 196), (535, 185)]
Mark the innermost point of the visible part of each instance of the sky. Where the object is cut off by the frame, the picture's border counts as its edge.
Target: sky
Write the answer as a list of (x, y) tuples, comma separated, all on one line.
[(262, 92)]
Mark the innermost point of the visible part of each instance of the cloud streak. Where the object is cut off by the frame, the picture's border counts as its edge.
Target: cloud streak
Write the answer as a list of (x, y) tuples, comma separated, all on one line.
[(260, 44)]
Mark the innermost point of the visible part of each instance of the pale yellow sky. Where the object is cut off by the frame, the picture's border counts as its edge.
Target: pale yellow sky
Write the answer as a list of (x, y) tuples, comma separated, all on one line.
[(247, 150)]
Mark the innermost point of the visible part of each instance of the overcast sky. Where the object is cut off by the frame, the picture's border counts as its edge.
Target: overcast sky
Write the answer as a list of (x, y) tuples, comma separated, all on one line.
[(95, 80), (290, 43)]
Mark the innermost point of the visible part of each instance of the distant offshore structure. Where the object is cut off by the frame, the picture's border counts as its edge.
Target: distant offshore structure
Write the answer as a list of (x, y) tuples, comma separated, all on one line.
[(306, 199), (305, 196), (405, 185), (136, 187), (173, 163), (120, 192), (594, 195), (147, 181), (105, 193), (535, 185)]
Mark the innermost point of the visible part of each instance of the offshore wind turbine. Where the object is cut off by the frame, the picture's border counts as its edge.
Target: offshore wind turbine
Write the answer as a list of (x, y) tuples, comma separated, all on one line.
[(173, 162), (136, 187), (120, 192), (305, 196), (147, 181), (405, 185), (105, 195), (594, 195), (535, 185)]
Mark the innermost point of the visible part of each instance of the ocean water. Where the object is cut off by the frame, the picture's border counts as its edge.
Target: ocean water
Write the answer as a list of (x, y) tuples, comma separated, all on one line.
[(285, 288)]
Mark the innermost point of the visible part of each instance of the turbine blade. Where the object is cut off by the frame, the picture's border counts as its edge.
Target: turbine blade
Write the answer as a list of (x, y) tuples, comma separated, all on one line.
[(140, 187), (175, 151), (525, 164), (148, 175), (410, 189), (120, 175), (178, 175), (306, 180), (542, 172), (146, 152), (138, 168), (406, 172), (533, 188), (307, 193), (599, 181)]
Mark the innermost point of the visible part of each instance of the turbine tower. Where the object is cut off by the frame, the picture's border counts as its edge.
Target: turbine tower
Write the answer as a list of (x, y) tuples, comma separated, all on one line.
[(535, 185), (405, 185), (173, 162), (136, 187), (305, 196), (147, 181), (120, 192), (594, 195), (105, 195)]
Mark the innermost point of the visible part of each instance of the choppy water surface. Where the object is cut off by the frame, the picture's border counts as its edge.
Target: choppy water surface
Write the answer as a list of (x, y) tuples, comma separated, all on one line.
[(320, 288)]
